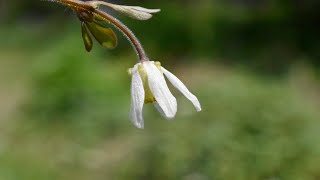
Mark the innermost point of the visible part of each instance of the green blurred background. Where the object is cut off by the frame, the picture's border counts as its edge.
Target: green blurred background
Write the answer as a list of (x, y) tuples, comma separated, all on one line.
[(254, 66)]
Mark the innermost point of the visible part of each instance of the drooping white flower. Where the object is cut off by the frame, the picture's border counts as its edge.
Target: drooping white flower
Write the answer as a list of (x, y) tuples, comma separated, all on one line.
[(148, 85)]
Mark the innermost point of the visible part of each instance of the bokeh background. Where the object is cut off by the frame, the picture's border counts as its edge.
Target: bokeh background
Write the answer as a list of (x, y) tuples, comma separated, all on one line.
[(254, 65)]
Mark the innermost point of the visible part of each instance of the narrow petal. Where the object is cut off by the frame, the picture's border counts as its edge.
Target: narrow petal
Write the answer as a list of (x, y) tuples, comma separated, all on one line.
[(182, 88), (137, 99), (159, 88), (142, 9), (156, 105), (135, 12)]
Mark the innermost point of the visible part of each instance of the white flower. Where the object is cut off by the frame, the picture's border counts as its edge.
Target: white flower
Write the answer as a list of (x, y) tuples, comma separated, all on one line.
[(149, 86)]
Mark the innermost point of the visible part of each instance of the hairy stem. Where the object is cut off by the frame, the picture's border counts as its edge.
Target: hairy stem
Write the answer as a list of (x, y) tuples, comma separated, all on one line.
[(127, 32), (91, 6)]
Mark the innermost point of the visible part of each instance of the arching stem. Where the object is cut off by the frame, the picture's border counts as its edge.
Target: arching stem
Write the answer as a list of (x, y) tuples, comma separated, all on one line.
[(127, 32), (92, 6)]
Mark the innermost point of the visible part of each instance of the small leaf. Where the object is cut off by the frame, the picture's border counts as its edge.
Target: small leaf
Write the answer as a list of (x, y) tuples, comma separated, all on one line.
[(104, 35), (86, 37)]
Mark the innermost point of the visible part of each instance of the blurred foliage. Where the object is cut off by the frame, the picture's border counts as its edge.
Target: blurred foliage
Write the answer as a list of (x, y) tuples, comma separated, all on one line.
[(70, 108), (75, 124)]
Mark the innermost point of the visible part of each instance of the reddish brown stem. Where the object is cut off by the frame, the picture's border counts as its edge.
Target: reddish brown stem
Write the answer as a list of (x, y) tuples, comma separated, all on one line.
[(88, 6)]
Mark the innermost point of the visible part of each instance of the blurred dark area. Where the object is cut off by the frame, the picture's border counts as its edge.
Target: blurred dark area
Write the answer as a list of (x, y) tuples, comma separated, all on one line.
[(267, 35), (254, 66)]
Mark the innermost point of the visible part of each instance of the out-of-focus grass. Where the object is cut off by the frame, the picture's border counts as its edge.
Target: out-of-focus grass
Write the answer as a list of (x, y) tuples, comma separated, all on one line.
[(71, 121)]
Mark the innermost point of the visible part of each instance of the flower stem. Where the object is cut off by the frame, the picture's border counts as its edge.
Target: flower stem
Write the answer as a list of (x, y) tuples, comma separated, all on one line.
[(91, 6), (127, 32)]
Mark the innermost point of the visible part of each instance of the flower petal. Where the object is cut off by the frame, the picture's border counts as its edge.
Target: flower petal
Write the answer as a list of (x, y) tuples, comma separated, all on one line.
[(137, 99), (159, 88), (182, 88), (135, 12), (156, 105)]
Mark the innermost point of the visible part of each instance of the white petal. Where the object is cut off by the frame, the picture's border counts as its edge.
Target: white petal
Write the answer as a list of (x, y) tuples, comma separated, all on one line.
[(135, 12), (156, 105), (182, 88), (142, 9), (160, 90), (137, 99)]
